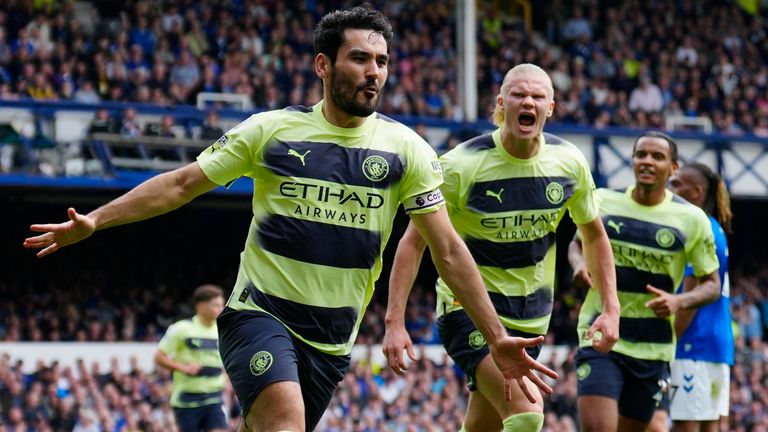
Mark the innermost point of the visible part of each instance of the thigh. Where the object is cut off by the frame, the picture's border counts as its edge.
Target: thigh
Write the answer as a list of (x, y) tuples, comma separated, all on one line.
[(644, 381), (598, 374), (319, 376), (257, 351), (188, 419), (698, 390), (214, 418)]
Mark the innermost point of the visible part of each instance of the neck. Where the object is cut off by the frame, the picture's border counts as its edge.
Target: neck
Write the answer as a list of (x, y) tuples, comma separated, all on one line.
[(206, 321), (648, 196), (335, 116), (520, 148)]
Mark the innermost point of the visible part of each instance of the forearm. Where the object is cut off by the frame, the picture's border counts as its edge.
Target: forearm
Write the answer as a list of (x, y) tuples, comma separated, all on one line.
[(707, 291), (456, 267), (599, 260), (404, 270), (158, 195), (164, 360)]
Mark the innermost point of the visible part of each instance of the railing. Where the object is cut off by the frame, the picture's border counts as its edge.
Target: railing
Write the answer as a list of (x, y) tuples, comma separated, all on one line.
[(741, 160)]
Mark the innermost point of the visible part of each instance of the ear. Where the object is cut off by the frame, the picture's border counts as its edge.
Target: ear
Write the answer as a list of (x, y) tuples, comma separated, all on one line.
[(551, 109), (500, 102), (322, 65)]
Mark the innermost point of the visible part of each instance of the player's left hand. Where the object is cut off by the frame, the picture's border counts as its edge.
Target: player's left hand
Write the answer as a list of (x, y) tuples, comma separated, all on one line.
[(665, 304), (515, 364), (607, 324)]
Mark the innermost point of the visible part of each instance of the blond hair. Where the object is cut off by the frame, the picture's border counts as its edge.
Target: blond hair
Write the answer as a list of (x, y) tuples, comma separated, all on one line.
[(523, 68)]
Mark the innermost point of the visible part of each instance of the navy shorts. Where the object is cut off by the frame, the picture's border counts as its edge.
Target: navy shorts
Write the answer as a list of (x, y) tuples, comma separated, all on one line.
[(204, 418), (257, 350), (636, 384), (466, 346)]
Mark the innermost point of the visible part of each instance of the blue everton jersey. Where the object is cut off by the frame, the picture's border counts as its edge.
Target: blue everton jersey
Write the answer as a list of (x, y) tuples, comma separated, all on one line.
[(710, 336)]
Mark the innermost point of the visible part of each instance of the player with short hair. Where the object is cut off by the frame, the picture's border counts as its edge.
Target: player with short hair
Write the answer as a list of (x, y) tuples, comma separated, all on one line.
[(653, 234), (328, 180), (700, 374), (190, 348), (506, 193)]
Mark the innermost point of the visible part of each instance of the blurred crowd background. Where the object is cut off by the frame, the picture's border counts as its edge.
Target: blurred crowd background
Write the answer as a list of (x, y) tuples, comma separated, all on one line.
[(613, 63)]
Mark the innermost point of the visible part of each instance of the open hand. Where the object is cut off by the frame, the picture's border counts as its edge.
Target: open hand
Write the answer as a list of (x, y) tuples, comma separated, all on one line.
[(514, 363), (78, 227), (396, 340)]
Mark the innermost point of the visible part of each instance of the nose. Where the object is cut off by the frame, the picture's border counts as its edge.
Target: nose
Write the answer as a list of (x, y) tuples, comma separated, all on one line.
[(528, 101), (372, 69)]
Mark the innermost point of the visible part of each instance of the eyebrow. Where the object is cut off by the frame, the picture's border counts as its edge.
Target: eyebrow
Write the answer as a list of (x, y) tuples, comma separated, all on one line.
[(358, 51)]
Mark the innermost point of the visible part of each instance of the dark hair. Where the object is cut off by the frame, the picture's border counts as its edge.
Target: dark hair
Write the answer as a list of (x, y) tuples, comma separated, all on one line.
[(717, 202), (204, 293), (662, 135), (329, 32)]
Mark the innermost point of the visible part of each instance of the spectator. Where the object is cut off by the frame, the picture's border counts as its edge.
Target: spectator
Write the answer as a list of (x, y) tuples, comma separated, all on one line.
[(211, 129), (647, 97)]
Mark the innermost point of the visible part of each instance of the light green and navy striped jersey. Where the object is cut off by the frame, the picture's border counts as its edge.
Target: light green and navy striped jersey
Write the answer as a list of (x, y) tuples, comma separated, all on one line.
[(189, 341), (651, 245), (323, 205), (507, 210)]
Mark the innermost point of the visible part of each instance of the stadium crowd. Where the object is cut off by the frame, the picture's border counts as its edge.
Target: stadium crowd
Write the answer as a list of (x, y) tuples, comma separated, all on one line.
[(611, 65)]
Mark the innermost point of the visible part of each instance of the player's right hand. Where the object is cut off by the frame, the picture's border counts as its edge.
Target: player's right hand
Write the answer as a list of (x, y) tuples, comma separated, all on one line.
[(56, 236), (581, 277), (396, 340), (513, 361)]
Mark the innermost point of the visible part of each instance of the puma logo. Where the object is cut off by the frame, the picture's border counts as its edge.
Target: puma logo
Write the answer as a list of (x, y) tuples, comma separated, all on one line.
[(616, 227), (292, 152), (496, 195)]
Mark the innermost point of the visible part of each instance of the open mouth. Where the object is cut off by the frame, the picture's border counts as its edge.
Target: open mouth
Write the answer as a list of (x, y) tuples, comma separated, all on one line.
[(526, 119)]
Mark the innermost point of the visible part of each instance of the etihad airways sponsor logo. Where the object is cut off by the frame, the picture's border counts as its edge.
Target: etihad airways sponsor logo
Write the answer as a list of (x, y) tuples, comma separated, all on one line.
[(520, 219), (645, 260), (324, 194)]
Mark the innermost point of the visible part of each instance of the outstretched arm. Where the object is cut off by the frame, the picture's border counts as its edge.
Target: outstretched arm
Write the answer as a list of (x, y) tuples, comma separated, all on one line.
[(598, 257), (156, 196), (404, 270), (455, 265)]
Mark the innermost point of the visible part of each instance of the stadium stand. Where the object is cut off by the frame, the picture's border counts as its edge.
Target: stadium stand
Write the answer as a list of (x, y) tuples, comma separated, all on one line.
[(61, 62)]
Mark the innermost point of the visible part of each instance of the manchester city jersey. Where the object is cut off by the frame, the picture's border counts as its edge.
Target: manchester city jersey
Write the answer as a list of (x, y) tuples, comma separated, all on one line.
[(507, 210), (709, 337), (323, 205), (189, 341), (651, 245)]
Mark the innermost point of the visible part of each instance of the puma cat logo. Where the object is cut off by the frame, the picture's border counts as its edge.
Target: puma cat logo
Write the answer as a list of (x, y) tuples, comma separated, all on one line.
[(496, 195), (616, 227), (292, 152)]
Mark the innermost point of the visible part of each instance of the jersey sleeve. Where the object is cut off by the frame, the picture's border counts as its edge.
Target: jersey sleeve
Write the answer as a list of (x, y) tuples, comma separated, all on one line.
[(235, 153), (584, 204), (701, 249), (170, 341), (419, 190)]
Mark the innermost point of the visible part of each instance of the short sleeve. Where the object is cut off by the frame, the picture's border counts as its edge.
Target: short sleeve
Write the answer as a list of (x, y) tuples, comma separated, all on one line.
[(584, 204), (700, 250), (234, 154), (420, 187), (170, 341)]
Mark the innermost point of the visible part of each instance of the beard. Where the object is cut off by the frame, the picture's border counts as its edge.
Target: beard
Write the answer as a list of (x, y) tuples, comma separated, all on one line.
[(344, 94)]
